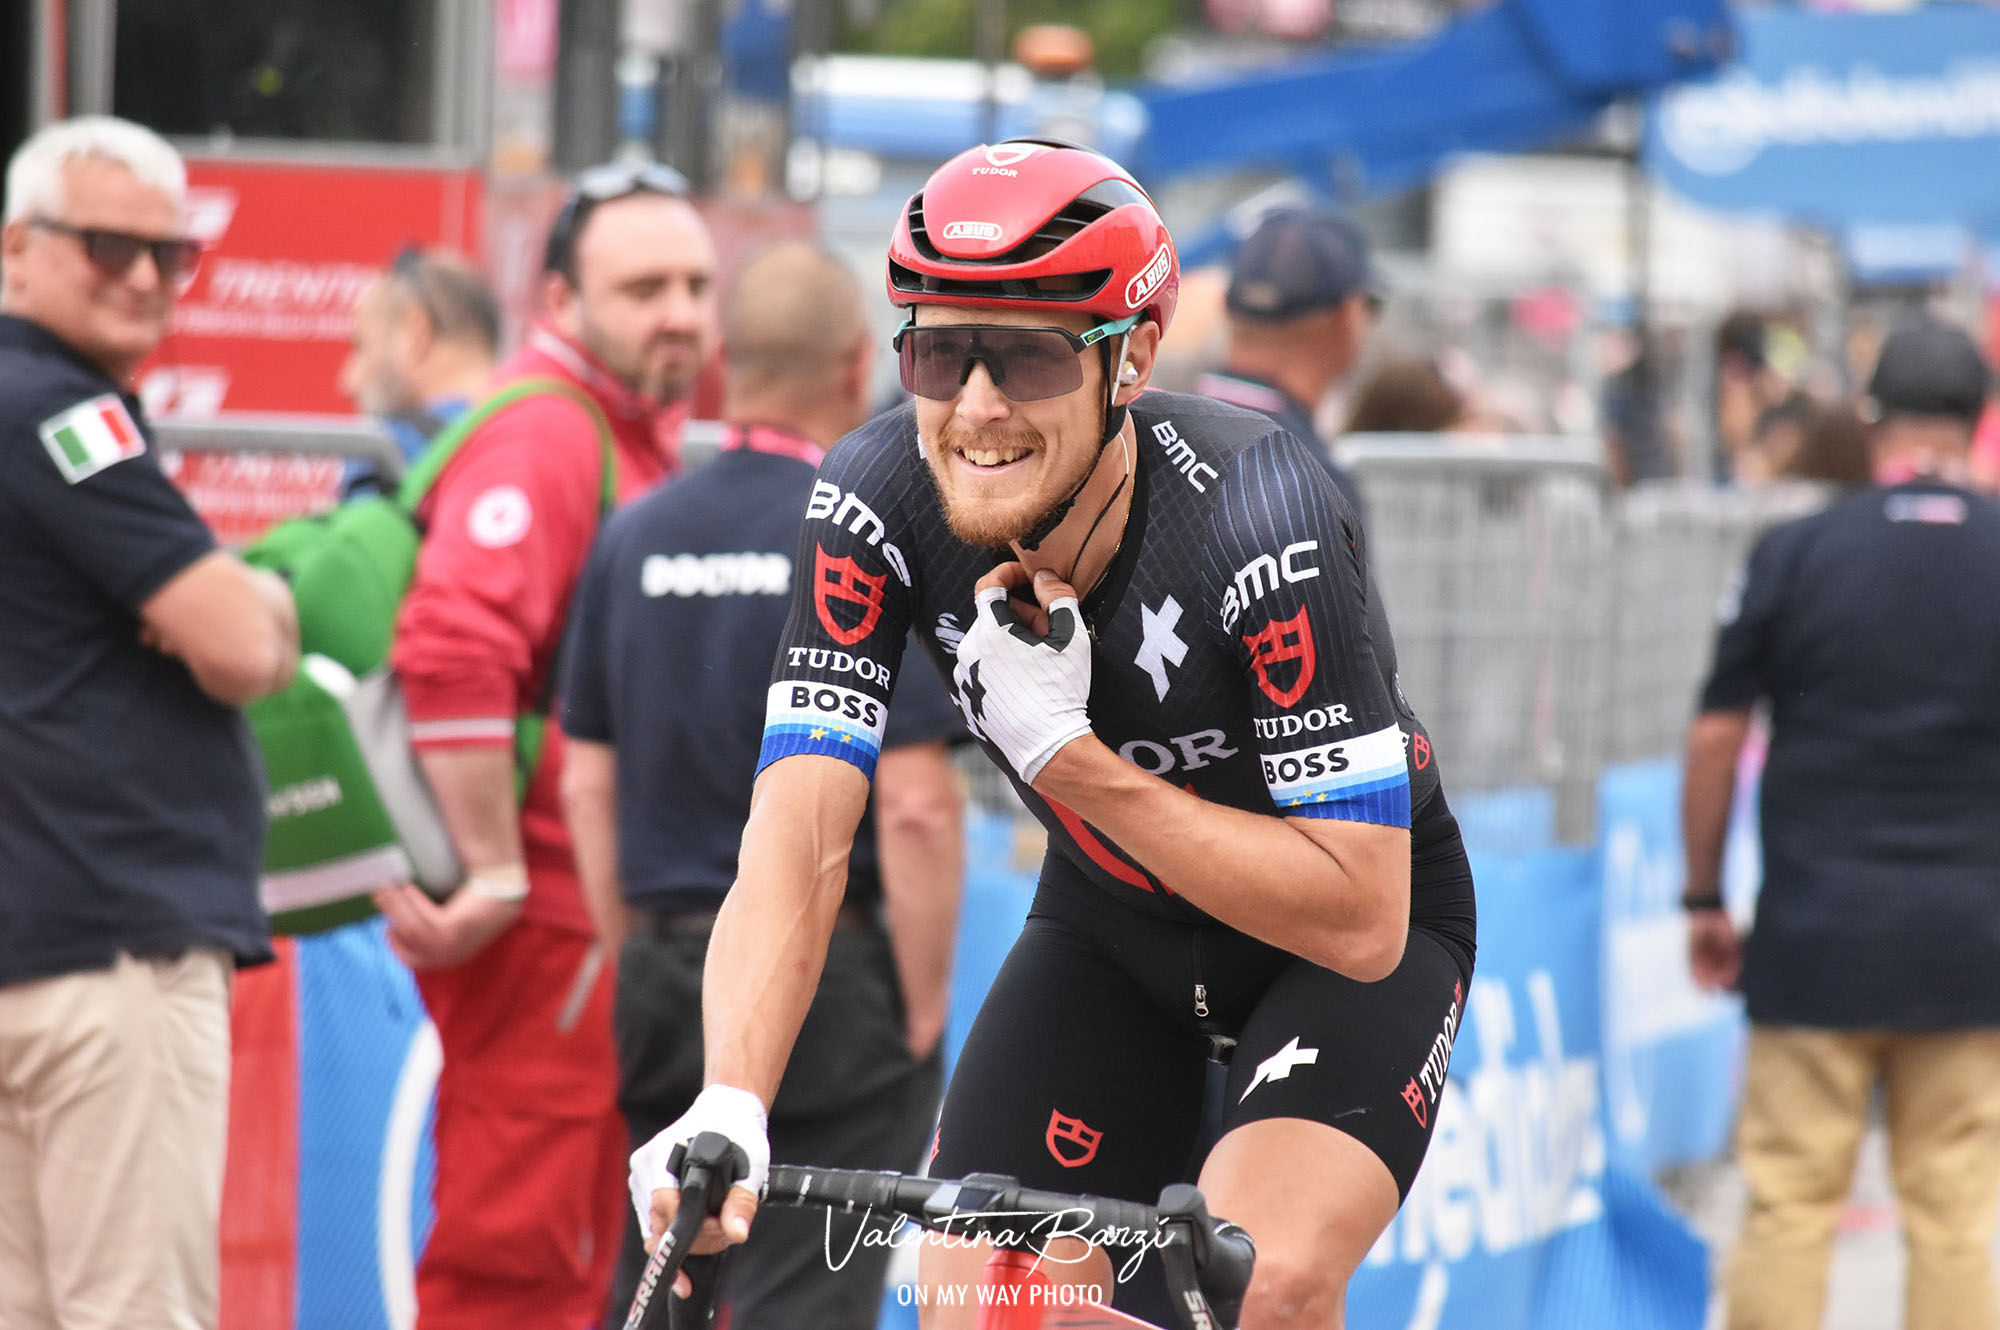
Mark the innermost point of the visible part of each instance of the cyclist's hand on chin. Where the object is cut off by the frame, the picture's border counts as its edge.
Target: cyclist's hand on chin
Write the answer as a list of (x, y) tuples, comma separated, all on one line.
[(1024, 674), (735, 1114)]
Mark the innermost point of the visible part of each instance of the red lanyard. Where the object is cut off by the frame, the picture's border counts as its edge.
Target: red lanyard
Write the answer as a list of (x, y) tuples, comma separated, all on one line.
[(771, 439)]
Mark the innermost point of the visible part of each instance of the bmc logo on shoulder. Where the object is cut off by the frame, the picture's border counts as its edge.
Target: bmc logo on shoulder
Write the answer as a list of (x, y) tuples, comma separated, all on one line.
[(971, 231), (1140, 289)]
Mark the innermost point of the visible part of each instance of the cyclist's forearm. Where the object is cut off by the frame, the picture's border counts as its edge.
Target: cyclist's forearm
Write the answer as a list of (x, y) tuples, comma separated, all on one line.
[(1337, 894), (770, 939)]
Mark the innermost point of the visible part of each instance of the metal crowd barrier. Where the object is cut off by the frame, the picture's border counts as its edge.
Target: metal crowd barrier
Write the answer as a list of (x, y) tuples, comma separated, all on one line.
[(1680, 546), (1546, 625), (1493, 555), (245, 473)]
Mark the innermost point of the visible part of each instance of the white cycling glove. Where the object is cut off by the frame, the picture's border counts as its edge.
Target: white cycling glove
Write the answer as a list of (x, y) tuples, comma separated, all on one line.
[(737, 1114), (1027, 694)]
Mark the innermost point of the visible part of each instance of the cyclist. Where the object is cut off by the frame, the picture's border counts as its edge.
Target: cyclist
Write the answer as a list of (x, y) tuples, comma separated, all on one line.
[(1156, 612)]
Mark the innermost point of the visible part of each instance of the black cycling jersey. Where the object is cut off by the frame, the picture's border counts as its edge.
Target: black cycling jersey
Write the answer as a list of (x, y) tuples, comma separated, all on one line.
[(1240, 650)]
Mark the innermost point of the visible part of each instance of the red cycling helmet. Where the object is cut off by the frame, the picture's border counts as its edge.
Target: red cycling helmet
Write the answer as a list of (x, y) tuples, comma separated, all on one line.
[(1031, 223)]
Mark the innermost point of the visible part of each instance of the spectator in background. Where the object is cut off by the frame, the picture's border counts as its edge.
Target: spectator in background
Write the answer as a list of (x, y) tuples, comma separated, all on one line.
[(1872, 629), (131, 803), (426, 338), (1831, 446), (1303, 298), (1745, 387), (530, 1147), (663, 746), (1407, 394)]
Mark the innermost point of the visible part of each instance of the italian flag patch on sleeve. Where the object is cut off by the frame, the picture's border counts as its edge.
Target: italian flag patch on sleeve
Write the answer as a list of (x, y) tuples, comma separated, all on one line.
[(91, 436)]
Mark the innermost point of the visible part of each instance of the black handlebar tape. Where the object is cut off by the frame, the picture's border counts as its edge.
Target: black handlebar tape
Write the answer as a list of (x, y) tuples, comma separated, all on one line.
[(1087, 1215), (846, 1188)]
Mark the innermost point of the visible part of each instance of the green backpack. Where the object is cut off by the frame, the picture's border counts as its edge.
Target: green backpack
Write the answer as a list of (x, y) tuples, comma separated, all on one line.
[(347, 809)]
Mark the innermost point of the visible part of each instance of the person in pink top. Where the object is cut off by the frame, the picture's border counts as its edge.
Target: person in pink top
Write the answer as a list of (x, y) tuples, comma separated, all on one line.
[(530, 1143)]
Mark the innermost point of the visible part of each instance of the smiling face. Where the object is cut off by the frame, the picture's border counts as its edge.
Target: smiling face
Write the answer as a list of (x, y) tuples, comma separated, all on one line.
[(1002, 466), (113, 318)]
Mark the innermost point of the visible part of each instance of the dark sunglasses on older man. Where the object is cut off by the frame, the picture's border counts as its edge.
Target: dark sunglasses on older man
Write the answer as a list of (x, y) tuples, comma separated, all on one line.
[(114, 252), (602, 184), (1026, 364)]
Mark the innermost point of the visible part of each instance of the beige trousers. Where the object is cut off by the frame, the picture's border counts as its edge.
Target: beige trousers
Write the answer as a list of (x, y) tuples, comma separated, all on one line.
[(114, 1095), (1805, 1109)]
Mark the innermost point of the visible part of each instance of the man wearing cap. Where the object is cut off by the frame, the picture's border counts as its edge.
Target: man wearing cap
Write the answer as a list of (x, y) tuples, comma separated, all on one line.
[(529, 1139), (1302, 300), (1872, 629)]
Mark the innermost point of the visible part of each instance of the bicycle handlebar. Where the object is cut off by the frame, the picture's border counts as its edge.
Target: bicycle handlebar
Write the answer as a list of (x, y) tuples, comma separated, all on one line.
[(979, 1203), (1207, 1261)]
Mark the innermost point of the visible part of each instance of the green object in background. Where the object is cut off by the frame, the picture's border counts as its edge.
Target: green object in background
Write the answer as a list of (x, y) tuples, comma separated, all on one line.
[(343, 797)]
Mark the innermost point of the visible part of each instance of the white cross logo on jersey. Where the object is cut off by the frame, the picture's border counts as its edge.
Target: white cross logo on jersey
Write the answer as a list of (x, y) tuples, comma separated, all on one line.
[(1279, 1065), (1160, 646)]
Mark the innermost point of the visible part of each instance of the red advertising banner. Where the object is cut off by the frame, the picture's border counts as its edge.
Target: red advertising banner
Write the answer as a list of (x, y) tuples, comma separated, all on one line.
[(290, 247)]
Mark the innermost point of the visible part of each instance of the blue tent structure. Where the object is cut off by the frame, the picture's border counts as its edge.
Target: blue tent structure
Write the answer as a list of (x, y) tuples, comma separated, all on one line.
[(1515, 75)]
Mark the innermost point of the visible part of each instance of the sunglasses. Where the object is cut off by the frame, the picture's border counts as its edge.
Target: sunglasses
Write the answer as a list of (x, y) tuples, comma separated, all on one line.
[(602, 184), (114, 252), (1027, 364)]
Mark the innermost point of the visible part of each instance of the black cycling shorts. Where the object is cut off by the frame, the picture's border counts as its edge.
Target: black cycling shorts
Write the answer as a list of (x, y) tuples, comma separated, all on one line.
[(1084, 1070)]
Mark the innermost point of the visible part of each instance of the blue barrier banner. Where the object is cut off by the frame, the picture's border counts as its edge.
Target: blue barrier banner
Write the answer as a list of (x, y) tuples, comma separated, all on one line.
[(368, 1064), (1672, 1053), (1520, 1219)]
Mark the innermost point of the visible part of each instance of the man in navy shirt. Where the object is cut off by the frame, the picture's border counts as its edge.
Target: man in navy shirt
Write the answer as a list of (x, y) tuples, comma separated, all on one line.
[(1872, 629), (1302, 300), (131, 803), (682, 605)]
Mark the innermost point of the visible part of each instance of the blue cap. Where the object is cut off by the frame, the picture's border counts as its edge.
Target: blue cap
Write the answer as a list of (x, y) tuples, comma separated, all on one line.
[(1299, 261)]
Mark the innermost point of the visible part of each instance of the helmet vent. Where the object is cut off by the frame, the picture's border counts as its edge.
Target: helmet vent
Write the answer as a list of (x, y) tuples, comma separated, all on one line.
[(1068, 287)]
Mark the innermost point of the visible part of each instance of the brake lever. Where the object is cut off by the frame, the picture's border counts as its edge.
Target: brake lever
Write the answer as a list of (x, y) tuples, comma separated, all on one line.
[(708, 1167), (1211, 1261)]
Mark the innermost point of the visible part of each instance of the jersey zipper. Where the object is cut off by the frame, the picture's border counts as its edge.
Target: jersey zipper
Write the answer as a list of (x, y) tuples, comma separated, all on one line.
[(1200, 988)]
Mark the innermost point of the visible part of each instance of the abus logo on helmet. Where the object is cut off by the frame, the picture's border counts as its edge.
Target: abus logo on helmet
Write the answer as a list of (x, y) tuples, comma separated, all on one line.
[(1140, 289), (971, 231)]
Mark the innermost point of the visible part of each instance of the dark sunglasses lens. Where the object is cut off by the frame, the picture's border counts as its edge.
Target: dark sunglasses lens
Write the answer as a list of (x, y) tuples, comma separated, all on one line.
[(176, 259), (933, 361), (111, 251), (1027, 364), (114, 252), (1036, 363)]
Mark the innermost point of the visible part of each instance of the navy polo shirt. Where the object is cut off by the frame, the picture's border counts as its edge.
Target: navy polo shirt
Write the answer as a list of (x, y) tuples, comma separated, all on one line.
[(1247, 390), (131, 804), (1873, 630), (668, 660)]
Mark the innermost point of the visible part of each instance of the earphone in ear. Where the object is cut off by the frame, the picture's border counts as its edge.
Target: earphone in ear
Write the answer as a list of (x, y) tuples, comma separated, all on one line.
[(1128, 375)]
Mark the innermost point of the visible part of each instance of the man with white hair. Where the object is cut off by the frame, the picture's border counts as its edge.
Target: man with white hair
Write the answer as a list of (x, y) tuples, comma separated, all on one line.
[(131, 806)]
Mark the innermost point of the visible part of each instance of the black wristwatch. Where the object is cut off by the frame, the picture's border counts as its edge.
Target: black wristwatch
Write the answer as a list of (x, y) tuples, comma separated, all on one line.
[(1694, 903)]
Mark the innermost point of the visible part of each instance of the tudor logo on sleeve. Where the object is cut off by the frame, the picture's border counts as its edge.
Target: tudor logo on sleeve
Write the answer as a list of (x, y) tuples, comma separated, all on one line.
[(848, 600), (499, 517), (824, 718), (90, 436), (1364, 779), (1282, 648)]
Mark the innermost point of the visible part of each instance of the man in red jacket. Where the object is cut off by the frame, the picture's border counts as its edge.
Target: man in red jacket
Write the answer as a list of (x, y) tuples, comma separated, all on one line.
[(530, 1144)]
